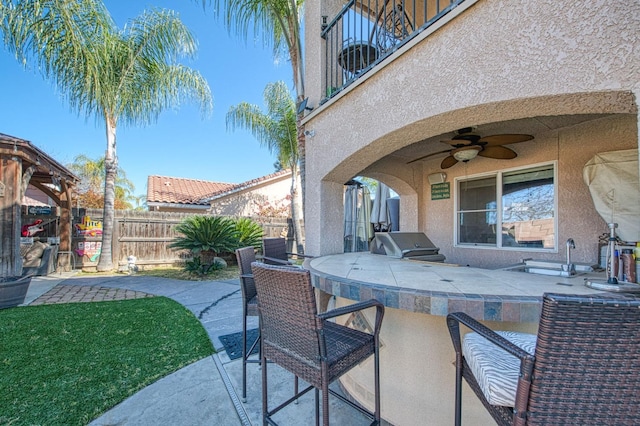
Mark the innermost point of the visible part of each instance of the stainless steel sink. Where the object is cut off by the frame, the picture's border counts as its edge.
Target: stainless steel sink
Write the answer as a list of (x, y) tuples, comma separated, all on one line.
[(551, 268)]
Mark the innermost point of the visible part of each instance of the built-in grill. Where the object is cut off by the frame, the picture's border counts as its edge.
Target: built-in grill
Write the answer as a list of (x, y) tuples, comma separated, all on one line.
[(411, 245)]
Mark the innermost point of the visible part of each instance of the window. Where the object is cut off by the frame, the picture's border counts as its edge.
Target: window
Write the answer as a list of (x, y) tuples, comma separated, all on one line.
[(508, 209)]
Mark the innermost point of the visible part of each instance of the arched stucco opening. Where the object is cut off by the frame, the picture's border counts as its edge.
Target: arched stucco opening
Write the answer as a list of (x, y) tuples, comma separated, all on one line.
[(388, 157)]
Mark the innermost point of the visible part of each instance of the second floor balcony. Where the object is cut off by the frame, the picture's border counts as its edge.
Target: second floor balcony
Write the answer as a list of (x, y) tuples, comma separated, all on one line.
[(365, 32)]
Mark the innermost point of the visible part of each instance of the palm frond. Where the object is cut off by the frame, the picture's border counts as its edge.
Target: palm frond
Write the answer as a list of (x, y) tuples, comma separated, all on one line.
[(206, 233)]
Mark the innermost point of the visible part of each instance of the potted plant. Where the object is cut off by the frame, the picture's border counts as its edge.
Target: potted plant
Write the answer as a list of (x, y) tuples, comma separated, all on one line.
[(13, 290), (13, 285)]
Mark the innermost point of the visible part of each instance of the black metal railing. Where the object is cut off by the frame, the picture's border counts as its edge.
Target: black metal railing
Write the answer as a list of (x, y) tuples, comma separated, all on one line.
[(365, 32)]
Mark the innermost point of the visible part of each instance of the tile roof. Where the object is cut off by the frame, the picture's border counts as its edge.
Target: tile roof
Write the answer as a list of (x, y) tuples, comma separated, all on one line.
[(163, 189), (245, 185)]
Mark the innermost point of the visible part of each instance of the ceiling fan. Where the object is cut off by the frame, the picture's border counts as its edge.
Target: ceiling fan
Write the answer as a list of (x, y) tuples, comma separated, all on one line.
[(467, 145)]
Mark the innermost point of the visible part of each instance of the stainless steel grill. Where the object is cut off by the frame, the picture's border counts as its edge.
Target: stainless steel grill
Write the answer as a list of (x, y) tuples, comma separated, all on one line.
[(411, 245)]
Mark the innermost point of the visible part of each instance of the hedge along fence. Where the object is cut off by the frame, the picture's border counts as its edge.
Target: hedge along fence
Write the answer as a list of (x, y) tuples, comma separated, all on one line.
[(146, 235)]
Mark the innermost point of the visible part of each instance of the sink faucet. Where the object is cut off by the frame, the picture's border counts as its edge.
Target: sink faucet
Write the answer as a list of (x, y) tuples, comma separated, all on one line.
[(570, 268)]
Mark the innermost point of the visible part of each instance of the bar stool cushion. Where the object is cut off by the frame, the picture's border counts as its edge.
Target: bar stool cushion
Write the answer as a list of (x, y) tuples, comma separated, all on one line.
[(494, 368)]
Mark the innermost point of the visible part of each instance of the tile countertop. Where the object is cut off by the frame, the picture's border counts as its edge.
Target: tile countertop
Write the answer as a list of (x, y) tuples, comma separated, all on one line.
[(437, 289)]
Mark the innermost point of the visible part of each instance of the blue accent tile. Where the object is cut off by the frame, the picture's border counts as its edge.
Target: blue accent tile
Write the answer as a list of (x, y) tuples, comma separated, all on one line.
[(492, 311), (391, 298), (345, 290), (439, 306), (354, 292), (378, 294)]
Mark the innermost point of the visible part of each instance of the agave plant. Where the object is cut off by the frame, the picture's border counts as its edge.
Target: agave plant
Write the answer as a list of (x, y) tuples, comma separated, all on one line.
[(249, 233), (205, 236)]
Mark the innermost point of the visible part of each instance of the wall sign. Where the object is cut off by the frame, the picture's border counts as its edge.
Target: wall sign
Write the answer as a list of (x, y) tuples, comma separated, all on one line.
[(1, 189), (440, 191), (88, 227), (39, 210)]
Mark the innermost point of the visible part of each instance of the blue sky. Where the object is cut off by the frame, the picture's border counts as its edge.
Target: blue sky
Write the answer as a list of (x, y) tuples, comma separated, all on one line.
[(180, 143)]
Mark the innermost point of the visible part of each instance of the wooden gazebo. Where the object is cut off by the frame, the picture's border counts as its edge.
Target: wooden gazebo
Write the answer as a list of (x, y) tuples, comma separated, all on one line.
[(21, 164)]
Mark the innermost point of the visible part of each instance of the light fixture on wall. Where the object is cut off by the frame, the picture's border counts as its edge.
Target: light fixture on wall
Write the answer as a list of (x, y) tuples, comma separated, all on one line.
[(436, 178), (302, 106), (466, 153)]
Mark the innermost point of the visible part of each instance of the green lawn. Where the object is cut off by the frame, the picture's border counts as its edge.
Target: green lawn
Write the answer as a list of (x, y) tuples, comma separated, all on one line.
[(231, 272), (66, 364)]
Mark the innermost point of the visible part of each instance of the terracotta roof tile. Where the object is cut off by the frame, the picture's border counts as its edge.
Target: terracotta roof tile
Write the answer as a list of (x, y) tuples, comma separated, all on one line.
[(243, 185), (163, 189)]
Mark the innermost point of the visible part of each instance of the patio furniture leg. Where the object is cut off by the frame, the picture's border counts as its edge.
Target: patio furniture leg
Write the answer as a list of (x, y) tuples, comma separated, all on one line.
[(458, 402), (244, 357), (325, 403), (376, 361), (264, 391), (317, 393)]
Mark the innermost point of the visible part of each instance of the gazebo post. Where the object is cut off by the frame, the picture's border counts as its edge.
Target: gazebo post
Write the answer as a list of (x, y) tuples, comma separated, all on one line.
[(65, 225), (10, 201)]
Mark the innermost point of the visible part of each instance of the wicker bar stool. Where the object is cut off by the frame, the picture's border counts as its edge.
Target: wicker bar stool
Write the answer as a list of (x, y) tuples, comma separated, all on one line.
[(245, 257), (305, 343), (582, 367), (274, 252)]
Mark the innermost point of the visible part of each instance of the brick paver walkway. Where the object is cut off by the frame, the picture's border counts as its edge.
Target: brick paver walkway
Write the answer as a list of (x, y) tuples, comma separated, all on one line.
[(87, 293)]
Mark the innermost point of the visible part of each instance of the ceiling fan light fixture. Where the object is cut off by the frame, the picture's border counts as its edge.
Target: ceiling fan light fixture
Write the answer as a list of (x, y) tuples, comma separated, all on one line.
[(466, 153)]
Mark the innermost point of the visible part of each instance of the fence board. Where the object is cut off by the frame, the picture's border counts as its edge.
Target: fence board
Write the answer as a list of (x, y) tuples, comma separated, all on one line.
[(147, 235)]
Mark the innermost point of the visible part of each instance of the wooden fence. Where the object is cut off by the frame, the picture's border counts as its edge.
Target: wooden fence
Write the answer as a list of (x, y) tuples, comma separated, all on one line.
[(145, 235)]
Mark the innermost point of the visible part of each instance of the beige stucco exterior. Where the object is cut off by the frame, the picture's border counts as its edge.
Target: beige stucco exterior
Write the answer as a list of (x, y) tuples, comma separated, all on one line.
[(266, 197), (567, 73)]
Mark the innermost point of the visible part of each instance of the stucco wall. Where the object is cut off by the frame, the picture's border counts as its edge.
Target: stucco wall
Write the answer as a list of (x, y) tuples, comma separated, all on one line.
[(495, 62), (256, 200), (577, 218)]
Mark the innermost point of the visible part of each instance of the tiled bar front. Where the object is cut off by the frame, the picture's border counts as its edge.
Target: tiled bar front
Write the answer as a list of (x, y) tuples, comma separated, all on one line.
[(417, 375)]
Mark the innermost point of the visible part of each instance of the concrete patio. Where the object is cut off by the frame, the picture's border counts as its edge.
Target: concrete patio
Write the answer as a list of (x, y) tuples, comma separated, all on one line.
[(207, 391)]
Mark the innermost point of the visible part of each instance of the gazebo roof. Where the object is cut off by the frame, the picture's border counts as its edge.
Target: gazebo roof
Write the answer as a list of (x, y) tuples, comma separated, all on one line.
[(47, 172)]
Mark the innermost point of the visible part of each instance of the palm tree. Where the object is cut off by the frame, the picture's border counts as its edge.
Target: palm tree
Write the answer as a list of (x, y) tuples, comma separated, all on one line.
[(279, 22), (275, 129), (105, 72)]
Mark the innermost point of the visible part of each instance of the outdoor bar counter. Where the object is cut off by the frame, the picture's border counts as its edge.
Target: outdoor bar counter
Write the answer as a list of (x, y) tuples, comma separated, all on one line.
[(416, 367)]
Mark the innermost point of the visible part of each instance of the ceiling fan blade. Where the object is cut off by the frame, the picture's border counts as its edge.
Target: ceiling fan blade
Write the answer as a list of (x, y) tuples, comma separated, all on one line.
[(428, 155), (448, 162), (498, 152), (505, 139)]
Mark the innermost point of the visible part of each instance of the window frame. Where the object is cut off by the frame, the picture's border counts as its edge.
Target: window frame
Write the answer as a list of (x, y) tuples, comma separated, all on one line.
[(498, 175)]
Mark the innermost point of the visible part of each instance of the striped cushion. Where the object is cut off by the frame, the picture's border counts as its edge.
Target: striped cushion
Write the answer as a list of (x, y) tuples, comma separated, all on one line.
[(495, 370)]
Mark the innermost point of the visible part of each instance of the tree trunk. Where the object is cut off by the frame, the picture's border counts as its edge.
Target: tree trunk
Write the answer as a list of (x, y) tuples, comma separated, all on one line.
[(207, 257), (111, 170)]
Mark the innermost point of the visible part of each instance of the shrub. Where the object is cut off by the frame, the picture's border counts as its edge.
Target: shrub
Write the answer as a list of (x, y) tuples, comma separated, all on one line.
[(206, 234), (196, 267), (249, 233), (207, 237)]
